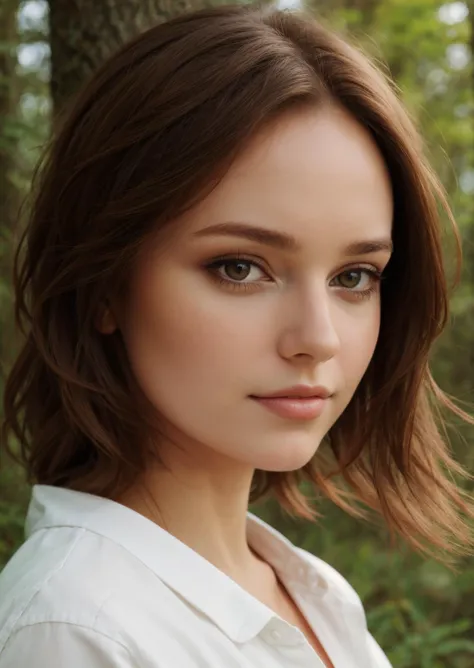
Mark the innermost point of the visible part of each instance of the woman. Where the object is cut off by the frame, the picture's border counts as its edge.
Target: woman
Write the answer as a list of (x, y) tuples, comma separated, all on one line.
[(232, 280)]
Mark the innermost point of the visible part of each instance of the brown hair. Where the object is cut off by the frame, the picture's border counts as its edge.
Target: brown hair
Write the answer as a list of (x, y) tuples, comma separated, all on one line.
[(156, 127)]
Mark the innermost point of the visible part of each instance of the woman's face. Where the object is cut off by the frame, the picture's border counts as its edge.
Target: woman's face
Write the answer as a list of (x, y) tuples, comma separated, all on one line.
[(271, 282)]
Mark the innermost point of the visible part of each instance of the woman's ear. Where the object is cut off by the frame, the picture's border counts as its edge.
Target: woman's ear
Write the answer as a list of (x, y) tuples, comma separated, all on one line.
[(106, 321)]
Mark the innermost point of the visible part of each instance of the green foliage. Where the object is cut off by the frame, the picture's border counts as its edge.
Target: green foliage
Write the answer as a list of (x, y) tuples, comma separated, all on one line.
[(13, 502), (22, 134)]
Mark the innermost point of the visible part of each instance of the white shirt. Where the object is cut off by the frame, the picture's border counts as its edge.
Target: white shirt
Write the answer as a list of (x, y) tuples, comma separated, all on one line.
[(97, 585)]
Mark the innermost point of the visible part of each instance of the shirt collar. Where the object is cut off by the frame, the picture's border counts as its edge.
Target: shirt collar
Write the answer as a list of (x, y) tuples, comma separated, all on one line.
[(236, 612)]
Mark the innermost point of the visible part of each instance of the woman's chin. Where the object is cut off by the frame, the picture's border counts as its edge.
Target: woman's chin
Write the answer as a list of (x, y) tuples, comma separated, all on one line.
[(291, 457)]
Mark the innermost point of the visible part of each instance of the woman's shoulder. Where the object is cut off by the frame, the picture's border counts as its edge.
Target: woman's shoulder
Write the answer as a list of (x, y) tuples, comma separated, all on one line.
[(332, 576), (346, 592), (280, 551), (68, 576)]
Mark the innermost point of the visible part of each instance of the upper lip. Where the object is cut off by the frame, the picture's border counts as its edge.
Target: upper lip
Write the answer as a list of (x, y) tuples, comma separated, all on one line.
[(300, 391)]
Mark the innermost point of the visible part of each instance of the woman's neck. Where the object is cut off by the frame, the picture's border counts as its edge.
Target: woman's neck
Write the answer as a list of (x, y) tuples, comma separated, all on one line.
[(205, 509)]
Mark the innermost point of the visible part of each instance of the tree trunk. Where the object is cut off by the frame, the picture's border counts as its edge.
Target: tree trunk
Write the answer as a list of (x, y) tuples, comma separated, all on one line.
[(9, 195), (8, 44), (86, 32)]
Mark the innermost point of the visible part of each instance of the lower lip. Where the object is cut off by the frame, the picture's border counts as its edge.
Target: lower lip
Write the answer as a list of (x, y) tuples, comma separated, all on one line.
[(306, 408)]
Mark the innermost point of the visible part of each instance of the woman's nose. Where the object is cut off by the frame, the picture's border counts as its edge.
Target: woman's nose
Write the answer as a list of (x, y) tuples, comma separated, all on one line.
[(309, 329)]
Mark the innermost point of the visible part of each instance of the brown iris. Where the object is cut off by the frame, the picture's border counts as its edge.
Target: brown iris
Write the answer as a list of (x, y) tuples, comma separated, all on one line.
[(237, 271), (349, 279)]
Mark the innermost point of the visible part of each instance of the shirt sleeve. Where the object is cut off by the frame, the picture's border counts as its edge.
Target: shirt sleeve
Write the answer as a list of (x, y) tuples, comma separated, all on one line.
[(63, 645)]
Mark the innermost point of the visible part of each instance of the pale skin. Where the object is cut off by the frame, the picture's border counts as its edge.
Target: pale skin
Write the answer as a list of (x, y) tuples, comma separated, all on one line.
[(205, 330)]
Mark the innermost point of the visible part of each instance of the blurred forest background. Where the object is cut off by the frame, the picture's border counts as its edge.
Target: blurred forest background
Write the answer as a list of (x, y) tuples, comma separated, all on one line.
[(421, 612)]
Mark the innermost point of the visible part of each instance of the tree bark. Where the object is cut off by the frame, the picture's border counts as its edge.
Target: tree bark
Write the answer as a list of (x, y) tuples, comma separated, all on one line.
[(7, 106), (9, 195), (83, 33)]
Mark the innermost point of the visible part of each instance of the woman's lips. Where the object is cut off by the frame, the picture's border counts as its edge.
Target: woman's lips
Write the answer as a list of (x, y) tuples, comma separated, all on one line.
[(296, 408)]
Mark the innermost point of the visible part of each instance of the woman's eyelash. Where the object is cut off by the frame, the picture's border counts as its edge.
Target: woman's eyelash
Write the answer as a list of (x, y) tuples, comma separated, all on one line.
[(374, 286), (214, 266), (375, 276)]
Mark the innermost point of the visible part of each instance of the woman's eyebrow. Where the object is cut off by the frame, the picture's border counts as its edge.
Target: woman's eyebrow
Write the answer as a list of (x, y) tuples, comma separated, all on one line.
[(285, 241), (262, 235), (369, 246)]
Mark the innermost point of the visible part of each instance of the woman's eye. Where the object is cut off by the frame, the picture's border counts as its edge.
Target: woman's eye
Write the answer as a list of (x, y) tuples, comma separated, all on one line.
[(238, 271), (357, 279)]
